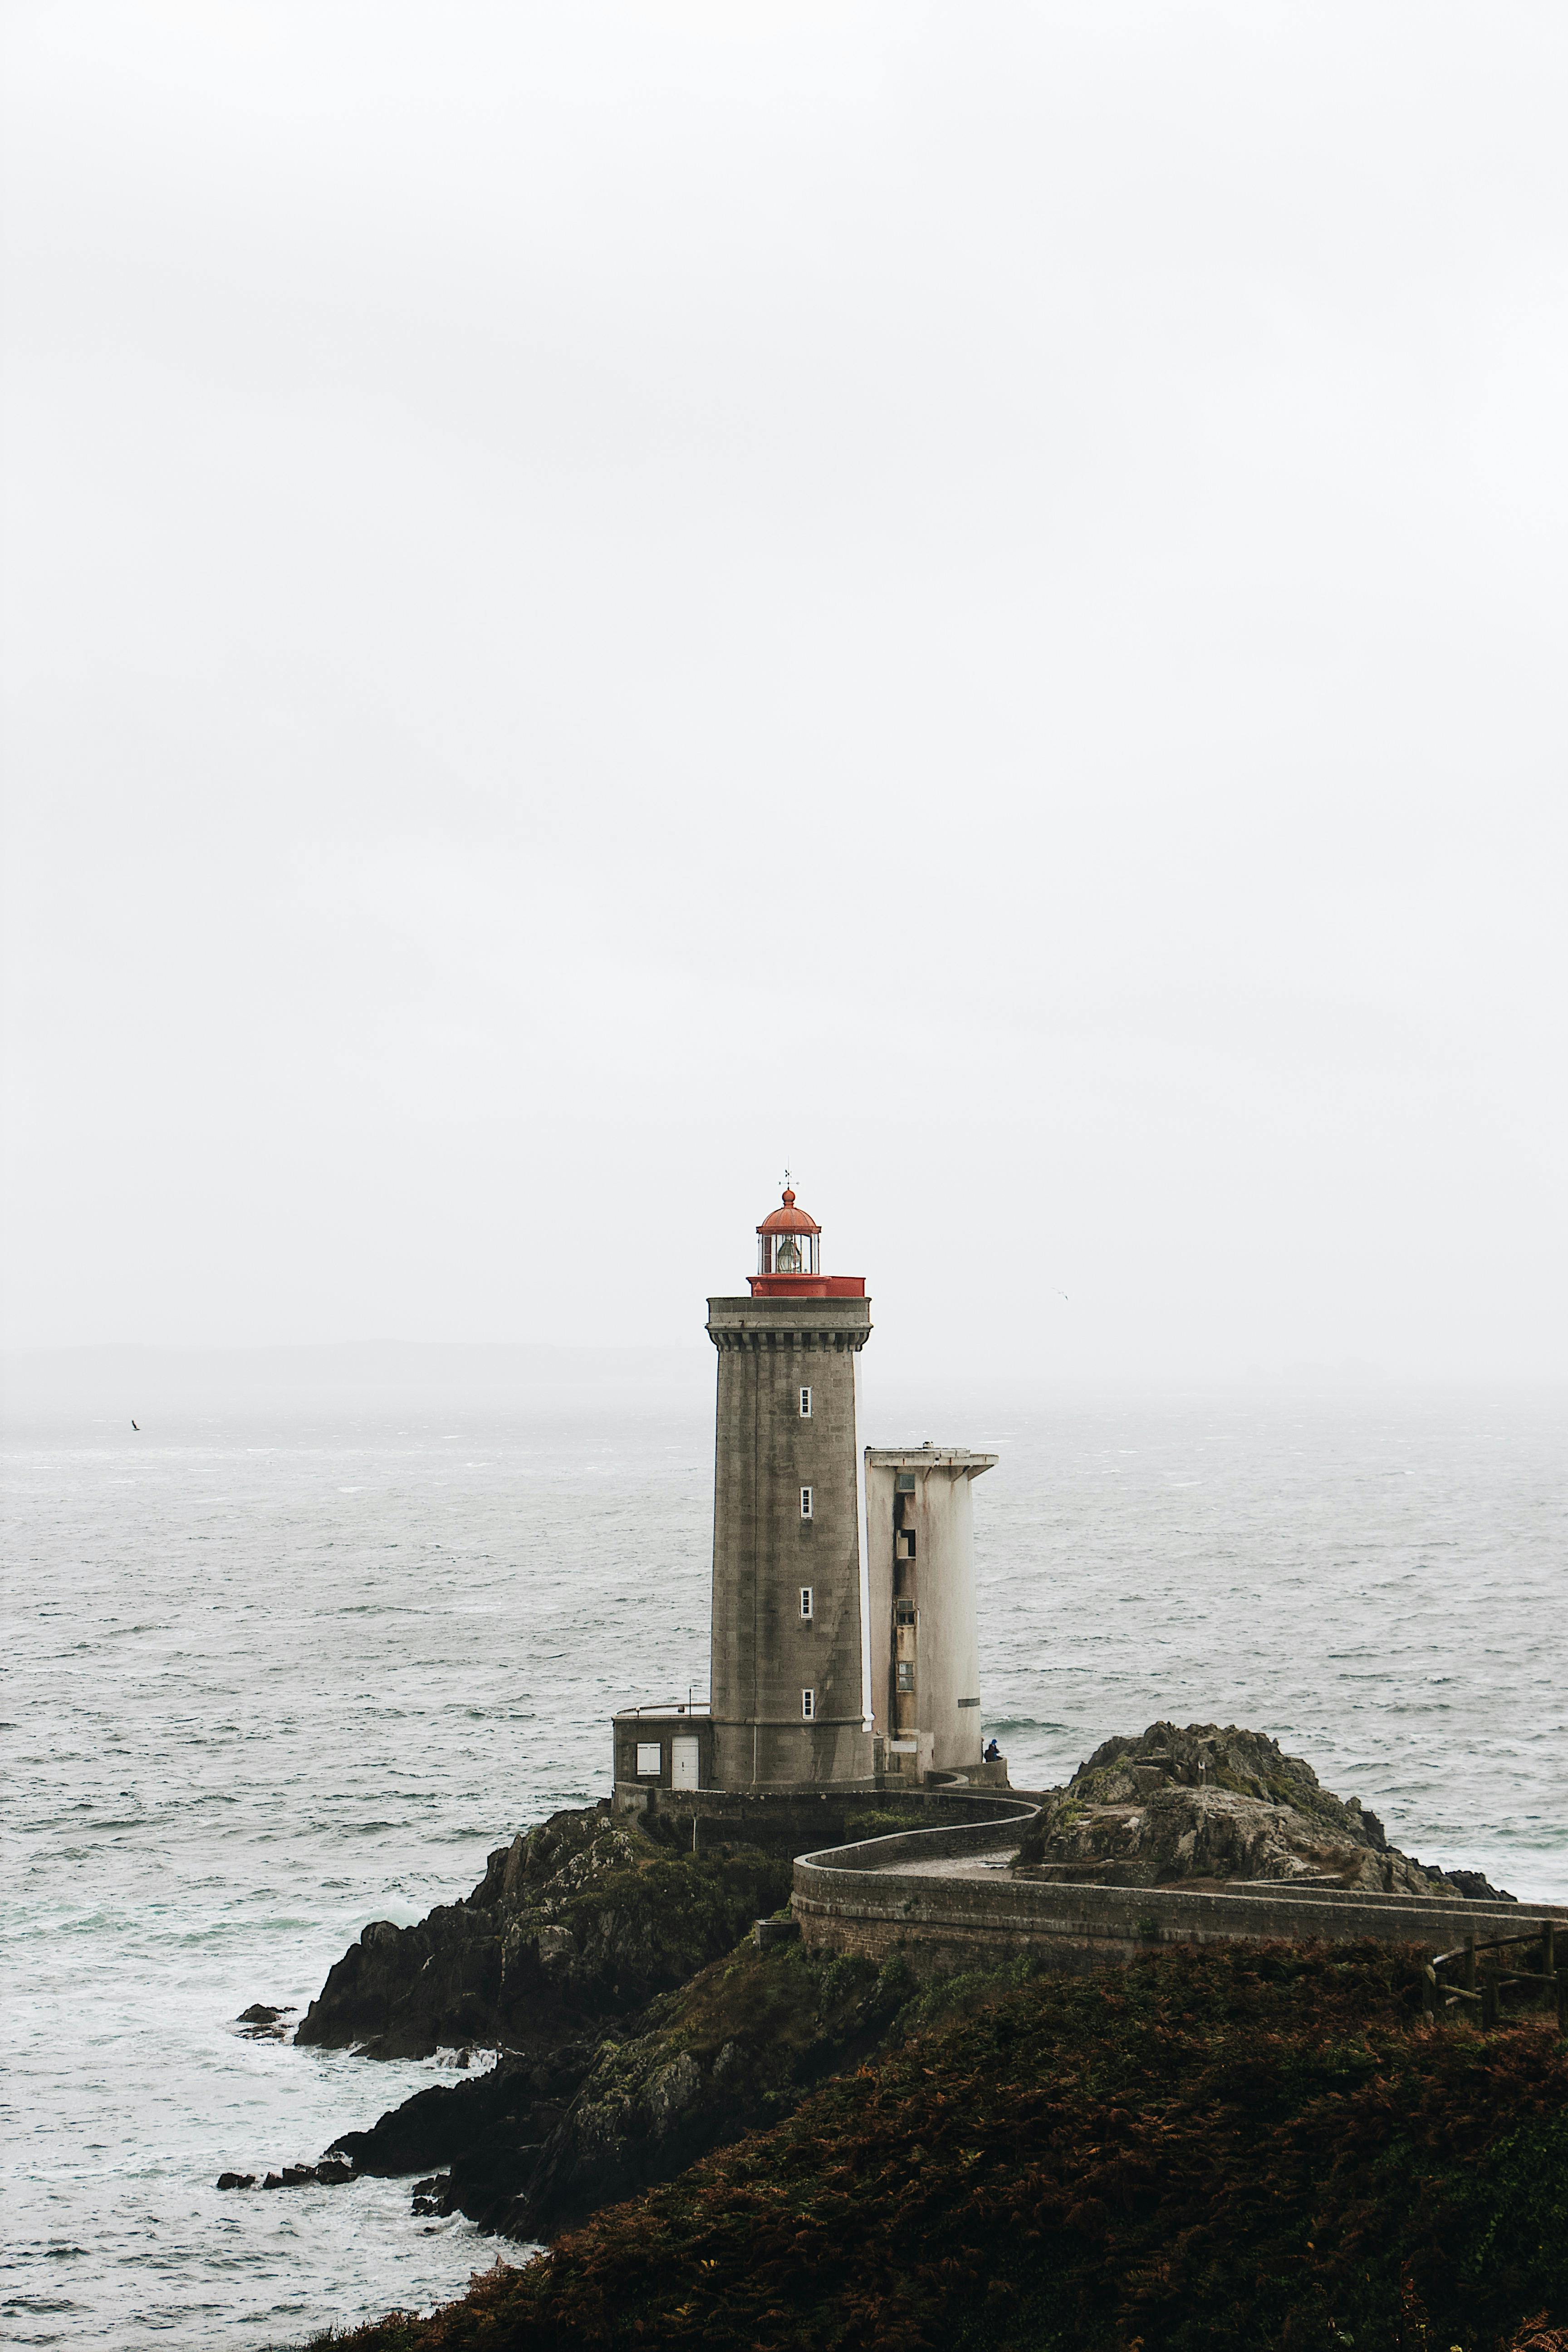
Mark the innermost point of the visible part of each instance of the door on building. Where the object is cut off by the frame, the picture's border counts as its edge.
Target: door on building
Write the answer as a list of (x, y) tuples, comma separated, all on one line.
[(683, 1756)]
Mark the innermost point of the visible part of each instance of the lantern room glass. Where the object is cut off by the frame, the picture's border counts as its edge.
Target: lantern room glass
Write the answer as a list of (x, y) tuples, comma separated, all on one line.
[(788, 1252)]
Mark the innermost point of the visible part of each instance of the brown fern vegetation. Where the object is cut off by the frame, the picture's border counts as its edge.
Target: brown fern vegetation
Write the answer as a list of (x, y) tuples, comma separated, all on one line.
[(1210, 2152)]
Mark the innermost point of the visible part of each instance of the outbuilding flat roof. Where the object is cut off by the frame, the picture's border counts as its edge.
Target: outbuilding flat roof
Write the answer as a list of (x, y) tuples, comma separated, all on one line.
[(930, 1457)]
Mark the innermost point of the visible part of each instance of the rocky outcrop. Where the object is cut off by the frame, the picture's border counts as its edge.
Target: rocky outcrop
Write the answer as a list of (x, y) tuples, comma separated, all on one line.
[(497, 2123), (736, 2048), (585, 1917), (534, 2146), (1473, 1885), (330, 2173), (1208, 1806), (262, 2022), (553, 1960)]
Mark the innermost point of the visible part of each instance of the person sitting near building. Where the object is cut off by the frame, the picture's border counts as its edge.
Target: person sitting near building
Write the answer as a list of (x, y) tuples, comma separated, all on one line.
[(993, 1754)]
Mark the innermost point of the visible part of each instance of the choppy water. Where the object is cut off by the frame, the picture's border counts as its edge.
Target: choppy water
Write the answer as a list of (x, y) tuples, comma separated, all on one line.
[(268, 1681)]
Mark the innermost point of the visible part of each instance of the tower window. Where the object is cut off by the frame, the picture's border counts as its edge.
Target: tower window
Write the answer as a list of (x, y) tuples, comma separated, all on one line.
[(807, 1603), (906, 1675), (808, 1707), (806, 1404), (805, 1503)]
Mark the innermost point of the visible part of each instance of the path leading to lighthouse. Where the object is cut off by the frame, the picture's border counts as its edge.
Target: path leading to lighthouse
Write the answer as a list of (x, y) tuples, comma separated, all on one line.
[(957, 1866)]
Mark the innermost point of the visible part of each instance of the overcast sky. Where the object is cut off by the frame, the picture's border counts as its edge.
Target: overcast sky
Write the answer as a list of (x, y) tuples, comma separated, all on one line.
[(602, 598)]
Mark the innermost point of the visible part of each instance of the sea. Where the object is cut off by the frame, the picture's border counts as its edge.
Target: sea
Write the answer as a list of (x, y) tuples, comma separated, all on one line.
[(275, 1669)]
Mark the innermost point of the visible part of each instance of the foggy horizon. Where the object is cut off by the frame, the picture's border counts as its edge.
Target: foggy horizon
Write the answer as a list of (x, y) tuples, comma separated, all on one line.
[(601, 601), (170, 1388)]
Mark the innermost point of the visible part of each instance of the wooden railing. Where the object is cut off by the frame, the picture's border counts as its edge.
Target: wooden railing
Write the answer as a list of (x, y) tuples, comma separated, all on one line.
[(1439, 1993)]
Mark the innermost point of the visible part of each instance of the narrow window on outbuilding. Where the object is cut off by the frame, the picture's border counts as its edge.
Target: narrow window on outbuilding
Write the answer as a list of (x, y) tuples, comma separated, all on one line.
[(806, 1502), (807, 1705), (806, 1404), (807, 1603)]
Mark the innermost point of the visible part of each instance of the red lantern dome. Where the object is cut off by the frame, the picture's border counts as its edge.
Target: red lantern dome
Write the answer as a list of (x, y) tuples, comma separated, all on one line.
[(789, 1258), (791, 1240)]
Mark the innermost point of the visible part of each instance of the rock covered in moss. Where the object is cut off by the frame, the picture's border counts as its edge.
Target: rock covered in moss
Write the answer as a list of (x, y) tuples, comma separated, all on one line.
[(1211, 1806), (539, 2143), (583, 1918), (736, 2047)]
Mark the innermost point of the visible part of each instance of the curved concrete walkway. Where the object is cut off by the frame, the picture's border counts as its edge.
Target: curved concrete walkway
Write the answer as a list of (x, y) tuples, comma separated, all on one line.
[(953, 1865), (943, 1898)]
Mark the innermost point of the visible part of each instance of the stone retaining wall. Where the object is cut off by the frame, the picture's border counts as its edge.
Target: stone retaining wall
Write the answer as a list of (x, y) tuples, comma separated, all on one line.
[(789, 1820), (856, 1900)]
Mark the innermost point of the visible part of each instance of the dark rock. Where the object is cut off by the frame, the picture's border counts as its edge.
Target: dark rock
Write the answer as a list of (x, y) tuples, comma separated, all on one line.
[(585, 1917), (540, 2140), (736, 2048), (518, 2101), (293, 2176), (1473, 1885)]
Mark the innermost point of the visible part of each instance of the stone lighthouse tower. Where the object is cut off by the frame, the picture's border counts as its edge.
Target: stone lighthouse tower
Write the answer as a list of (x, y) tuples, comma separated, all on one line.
[(790, 1690)]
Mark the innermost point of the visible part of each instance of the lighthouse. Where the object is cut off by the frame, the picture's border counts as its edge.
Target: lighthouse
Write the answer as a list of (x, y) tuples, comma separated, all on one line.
[(844, 1642), (790, 1691)]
